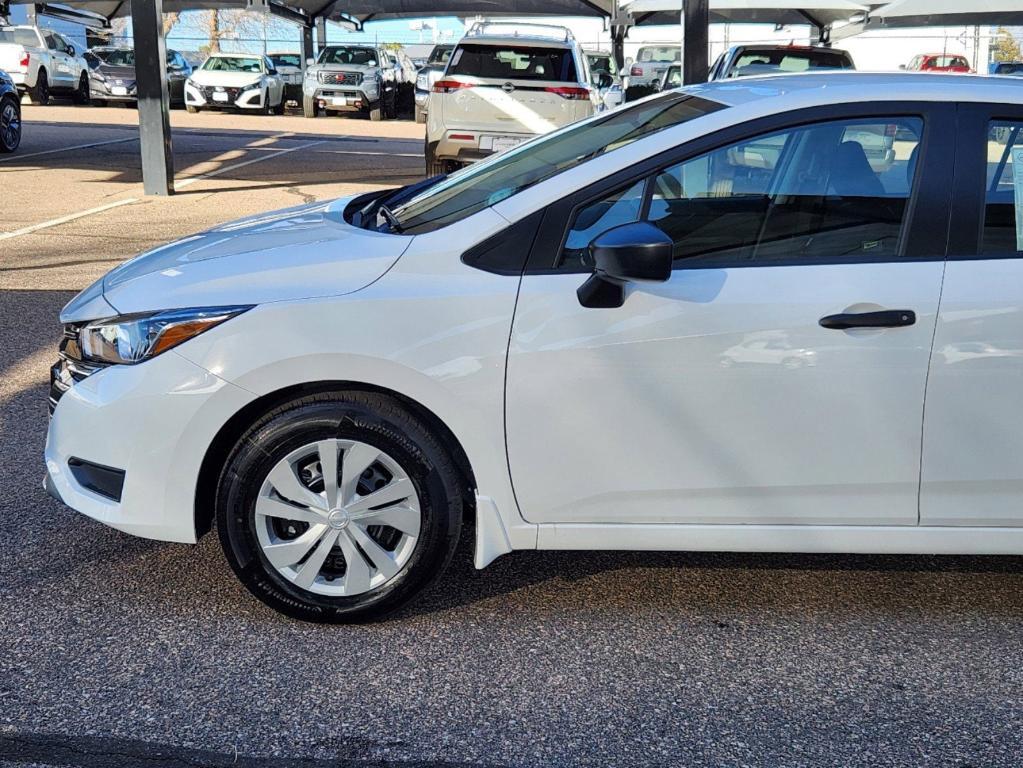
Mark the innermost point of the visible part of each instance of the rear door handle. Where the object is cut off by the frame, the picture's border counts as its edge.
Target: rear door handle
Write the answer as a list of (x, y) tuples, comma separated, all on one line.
[(889, 318)]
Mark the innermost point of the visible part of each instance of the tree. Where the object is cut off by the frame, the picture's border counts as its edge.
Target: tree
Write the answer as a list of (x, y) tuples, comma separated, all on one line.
[(1005, 46)]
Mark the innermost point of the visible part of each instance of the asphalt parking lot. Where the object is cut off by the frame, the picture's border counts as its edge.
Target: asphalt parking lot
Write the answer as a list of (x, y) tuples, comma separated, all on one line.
[(116, 651)]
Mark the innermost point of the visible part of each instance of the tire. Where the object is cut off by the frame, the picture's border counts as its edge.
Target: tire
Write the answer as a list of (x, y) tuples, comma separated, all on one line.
[(279, 109), (309, 107), (390, 106), (191, 110), (434, 167), (267, 109), (41, 93), (420, 114), (81, 94), (291, 443), (376, 113), (98, 102), (10, 124)]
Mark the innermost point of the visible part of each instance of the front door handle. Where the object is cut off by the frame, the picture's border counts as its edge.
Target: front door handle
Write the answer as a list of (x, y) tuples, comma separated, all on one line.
[(889, 318)]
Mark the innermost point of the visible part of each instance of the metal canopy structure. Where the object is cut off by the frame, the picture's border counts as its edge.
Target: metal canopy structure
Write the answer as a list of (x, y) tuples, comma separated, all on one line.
[(817, 13), (946, 13), (150, 44)]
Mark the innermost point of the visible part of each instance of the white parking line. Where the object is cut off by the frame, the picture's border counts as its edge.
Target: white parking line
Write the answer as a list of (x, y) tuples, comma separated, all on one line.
[(65, 219), (270, 154), (67, 149)]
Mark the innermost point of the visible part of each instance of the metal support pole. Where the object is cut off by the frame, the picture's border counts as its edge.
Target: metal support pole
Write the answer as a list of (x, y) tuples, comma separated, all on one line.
[(153, 99), (695, 41), (307, 45), (321, 32)]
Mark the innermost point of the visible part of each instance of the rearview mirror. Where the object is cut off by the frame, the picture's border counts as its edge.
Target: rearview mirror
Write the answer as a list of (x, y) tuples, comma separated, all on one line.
[(635, 252)]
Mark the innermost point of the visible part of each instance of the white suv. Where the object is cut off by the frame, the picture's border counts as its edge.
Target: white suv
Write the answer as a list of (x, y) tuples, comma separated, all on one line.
[(505, 84)]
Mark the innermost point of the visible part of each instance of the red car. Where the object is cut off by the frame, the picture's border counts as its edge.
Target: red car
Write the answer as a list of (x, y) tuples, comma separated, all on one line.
[(939, 62)]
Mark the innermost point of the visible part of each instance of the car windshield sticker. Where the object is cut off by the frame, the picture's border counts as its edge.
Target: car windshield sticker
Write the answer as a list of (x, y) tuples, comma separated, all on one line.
[(1017, 183)]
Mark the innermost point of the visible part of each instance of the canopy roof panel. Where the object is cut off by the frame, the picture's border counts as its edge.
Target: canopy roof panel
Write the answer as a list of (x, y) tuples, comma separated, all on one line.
[(925, 13), (368, 10), (816, 12)]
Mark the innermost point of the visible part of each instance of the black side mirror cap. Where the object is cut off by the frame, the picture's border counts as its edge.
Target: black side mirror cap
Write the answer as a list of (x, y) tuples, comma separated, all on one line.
[(635, 252)]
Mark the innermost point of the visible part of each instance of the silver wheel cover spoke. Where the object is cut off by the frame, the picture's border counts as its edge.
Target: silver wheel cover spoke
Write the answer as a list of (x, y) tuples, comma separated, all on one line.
[(337, 518)]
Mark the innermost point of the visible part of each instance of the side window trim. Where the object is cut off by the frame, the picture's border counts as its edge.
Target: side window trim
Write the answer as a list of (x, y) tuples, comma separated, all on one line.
[(559, 216)]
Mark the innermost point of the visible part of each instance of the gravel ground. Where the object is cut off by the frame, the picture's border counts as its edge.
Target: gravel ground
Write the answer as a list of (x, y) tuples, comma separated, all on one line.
[(116, 651)]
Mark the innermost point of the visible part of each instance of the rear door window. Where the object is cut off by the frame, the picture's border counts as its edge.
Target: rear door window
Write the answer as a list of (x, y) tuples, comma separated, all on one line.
[(1003, 198), (514, 62)]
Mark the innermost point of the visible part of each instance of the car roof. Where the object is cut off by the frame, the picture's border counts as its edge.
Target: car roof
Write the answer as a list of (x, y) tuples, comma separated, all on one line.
[(225, 55), (796, 90), (537, 40)]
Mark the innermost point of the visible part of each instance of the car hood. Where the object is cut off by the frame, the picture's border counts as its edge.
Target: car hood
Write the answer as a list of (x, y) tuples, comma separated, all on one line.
[(233, 79), (109, 70), (343, 68), (297, 253)]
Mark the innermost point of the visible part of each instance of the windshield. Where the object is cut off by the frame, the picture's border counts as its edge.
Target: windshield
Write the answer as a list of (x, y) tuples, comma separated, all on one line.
[(513, 62), (233, 64), (767, 62), (119, 58), (489, 182), (603, 63), (440, 55), (349, 55), (660, 53), (19, 36), (286, 60)]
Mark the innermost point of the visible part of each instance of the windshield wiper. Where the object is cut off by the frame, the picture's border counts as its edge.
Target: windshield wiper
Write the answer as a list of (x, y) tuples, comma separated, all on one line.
[(389, 217)]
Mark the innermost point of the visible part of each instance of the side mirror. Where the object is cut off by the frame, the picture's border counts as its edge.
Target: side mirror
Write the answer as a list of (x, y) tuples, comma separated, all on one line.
[(635, 252), (71, 50), (310, 62), (604, 80)]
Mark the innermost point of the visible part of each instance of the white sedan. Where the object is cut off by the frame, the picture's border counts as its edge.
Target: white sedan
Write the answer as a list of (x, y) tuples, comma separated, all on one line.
[(546, 344), (236, 81)]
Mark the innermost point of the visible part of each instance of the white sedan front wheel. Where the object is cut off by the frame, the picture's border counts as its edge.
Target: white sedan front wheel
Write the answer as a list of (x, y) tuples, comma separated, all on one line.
[(339, 507)]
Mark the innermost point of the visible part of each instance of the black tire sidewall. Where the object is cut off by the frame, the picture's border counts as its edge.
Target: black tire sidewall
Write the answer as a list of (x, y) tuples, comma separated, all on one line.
[(17, 108), (388, 428)]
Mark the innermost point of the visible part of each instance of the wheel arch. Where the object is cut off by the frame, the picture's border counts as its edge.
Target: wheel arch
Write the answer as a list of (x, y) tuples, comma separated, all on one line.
[(220, 447)]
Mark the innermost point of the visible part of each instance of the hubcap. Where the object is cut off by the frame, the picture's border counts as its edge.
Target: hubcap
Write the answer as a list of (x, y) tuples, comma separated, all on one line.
[(337, 517), (10, 125)]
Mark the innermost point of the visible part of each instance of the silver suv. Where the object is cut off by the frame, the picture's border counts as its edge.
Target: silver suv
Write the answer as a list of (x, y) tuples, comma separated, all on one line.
[(355, 78), (504, 84)]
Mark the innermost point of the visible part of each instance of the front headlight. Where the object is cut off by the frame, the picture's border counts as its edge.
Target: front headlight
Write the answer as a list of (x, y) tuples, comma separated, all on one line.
[(131, 339)]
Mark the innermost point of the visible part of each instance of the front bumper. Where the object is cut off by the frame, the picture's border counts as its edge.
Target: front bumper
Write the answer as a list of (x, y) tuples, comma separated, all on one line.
[(154, 422), (224, 98), (339, 98), (105, 91)]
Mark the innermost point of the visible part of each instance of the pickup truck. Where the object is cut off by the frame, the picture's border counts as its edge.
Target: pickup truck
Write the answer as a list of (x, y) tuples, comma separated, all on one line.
[(41, 62)]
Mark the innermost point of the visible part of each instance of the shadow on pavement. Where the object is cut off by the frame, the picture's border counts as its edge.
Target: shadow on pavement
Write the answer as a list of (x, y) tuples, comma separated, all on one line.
[(108, 752)]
